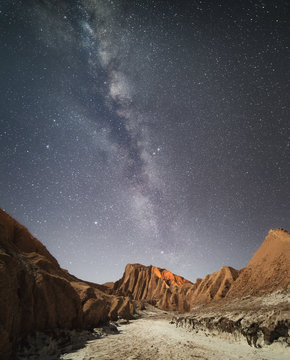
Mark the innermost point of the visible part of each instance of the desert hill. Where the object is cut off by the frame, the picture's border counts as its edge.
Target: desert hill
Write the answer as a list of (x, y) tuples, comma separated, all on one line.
[(37, 295), (269, 268)]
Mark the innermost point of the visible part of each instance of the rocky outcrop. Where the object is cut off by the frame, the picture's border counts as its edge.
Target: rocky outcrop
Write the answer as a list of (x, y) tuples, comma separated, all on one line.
[(268, 271), (259, 321), (157, 286), (269, 268), (171, 292), (214, 286), (256, 307), (37, 295), (257, 334)]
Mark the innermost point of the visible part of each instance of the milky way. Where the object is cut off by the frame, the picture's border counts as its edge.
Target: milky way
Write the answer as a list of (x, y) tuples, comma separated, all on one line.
[(146, 131)]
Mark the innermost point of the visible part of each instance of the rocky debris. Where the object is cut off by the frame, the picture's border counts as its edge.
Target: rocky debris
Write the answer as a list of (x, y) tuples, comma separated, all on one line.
[(252, 319), (122, 322), (50, 345), (256, 334), (111, 328), (36, 295)]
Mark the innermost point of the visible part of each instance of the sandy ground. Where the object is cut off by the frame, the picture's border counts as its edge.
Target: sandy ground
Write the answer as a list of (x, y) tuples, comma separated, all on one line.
[(154, 338)]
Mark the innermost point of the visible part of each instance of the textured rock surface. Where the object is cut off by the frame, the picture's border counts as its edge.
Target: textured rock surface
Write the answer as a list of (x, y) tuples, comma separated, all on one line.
[(269, 268), (156, 286), (37, 295), (171, 292), (214, 286), (257, 320)]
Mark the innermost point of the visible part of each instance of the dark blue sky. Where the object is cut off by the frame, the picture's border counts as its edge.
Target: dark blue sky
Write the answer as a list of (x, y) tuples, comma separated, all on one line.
[(146, 131)]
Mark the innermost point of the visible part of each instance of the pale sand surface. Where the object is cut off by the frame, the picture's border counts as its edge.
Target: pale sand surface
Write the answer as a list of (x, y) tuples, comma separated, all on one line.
[(154, 338)]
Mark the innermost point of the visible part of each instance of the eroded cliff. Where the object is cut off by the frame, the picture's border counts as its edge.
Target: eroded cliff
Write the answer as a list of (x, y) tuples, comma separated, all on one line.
[(37, 295)]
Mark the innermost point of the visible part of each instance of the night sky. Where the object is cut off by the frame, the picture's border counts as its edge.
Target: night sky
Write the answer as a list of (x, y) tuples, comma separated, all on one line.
[(146, 131)]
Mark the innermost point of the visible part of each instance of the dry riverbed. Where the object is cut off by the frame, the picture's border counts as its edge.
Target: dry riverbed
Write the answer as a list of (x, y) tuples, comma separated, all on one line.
[(153, 338)]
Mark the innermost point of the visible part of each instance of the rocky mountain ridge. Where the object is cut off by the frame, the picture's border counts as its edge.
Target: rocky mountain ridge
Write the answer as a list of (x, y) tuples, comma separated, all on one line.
[(171, 292)]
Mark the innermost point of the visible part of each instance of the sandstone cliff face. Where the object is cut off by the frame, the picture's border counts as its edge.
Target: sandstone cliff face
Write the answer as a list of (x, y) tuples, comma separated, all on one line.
[(269, 268), (157, 286), (172, 292), (37, 295), (214, 286)]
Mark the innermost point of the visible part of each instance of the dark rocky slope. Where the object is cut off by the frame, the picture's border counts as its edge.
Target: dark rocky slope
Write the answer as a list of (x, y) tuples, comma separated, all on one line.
[(37, 295), (258, 320)]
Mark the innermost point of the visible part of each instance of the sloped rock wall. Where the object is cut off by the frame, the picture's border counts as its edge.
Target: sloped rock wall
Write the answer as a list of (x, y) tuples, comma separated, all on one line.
[(37, 295)]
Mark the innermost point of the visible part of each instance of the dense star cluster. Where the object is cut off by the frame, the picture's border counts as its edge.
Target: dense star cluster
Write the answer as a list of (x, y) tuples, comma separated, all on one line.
[(146, 131)]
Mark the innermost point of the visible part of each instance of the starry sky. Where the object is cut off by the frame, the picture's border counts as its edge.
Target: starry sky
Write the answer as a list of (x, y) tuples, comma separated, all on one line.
[(145, 131)]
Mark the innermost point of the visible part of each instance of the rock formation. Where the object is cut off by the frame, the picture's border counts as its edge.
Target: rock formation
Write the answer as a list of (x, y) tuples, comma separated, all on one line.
[(171, 292), (157, 286), (269, 268), (257, 320), (268, 271), (37, 295), (214, 286)]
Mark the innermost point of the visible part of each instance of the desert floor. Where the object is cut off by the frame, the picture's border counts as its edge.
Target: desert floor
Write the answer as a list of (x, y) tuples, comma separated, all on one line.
[(154, 338)]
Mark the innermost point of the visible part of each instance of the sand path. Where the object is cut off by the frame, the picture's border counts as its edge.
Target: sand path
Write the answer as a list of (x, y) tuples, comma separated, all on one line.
[(155, 338)]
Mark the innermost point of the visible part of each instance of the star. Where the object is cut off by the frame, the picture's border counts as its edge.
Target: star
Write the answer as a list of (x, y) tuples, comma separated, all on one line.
[(141, 136)]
